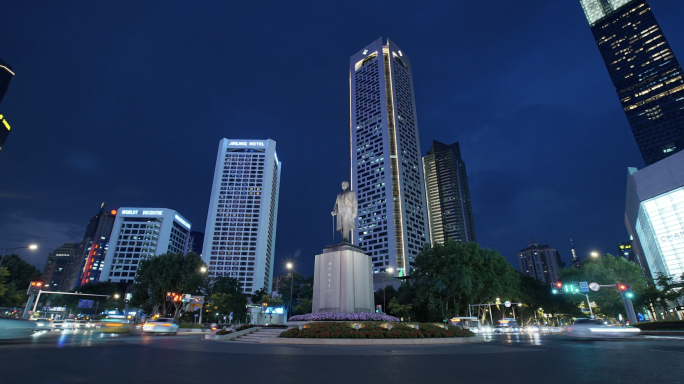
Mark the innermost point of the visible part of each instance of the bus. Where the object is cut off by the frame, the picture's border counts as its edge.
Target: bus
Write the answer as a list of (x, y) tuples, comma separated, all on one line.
[(471, 323)]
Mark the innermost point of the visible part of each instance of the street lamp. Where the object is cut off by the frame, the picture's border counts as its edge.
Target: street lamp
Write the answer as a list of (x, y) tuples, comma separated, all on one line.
[(290, 266), (31, 247), (116, 296), (594, 254), (384, 289), (203, 269)]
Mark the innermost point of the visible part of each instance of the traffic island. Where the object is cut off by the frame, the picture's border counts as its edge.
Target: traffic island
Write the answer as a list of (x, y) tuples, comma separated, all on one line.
[(374, 333)]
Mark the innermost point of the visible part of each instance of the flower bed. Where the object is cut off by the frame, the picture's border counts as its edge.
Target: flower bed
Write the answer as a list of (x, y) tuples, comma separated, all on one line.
[(374, 330), (328, 316)]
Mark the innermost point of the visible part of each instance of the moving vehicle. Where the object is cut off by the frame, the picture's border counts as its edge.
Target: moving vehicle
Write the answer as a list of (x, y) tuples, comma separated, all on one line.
[(595, 328), (115, 324), (16, 329), (80, 324), (161, 325), (42, 324), (471, 323)]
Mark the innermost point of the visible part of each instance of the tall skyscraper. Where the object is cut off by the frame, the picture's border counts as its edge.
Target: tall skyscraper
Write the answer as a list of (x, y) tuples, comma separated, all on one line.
[(139, 233), (575, 258), (644, 71), (448, 197), (540, 262), (196, 242), (58, 267), (387, 173), (90, 254), (6, 75), (240, 236)]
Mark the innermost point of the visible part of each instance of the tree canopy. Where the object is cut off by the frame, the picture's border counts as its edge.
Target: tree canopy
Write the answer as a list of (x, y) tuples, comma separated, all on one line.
[(17, 278), (170, 272)]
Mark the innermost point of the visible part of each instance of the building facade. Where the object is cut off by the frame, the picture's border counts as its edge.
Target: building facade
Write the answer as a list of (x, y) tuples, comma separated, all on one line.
[(196, 242), (387, 172), (644, 71), (540, 261), (654, 215), (140, 233), (240, 235), (450, 210), (90, 253), (58, 268)]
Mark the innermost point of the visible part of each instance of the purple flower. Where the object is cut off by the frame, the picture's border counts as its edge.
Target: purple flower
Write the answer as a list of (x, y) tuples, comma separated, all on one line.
[(329, 316)]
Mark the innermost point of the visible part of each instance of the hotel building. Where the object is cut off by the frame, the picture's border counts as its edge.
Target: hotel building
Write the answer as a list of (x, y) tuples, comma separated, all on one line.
[(240, 235)]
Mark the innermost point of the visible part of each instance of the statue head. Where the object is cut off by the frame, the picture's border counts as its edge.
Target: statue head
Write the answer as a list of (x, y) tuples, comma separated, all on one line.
[(345, 185)]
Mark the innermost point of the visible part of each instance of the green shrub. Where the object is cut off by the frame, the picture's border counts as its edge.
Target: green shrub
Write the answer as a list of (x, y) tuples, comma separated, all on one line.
[(223, 332), (661, 326), (192, 326), (373, 330)]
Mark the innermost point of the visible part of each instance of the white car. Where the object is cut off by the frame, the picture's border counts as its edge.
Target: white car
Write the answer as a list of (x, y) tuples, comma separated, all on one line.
[(161, 325), (62, 324), (80, 324), (595, 328), (42, 324), (11, 329)]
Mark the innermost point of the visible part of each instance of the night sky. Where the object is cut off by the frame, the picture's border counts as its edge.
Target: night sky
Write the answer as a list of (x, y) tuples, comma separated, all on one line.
[(126, 104)]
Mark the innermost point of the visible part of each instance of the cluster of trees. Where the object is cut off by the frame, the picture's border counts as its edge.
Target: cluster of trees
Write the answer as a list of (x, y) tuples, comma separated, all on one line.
[(448, 277), (15, 277), (185, 274), (302, 295)]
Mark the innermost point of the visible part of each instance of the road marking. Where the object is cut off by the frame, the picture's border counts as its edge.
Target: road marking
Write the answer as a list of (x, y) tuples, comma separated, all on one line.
[(658, 350)]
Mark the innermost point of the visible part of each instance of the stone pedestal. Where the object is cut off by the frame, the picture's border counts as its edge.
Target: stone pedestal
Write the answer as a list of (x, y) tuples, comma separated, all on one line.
[(343, 280)]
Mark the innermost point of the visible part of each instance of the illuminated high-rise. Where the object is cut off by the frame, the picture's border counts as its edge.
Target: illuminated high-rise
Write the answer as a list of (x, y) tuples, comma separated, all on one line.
[(448, 195), (239, 239), (6, 75), (387, 171), (644, 71)]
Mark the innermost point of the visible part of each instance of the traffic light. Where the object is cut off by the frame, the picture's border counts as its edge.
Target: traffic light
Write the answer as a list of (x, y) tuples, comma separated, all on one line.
[(557, 288), (35, 287), (626, 290)]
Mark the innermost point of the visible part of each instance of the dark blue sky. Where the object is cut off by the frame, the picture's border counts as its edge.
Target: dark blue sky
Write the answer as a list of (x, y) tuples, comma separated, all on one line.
[(126, 103)]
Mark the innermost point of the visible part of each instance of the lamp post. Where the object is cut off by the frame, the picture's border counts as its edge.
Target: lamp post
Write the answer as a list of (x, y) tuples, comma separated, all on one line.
[(384, 288), (595, 254), (203, 269), (31, 247), (290, 267)]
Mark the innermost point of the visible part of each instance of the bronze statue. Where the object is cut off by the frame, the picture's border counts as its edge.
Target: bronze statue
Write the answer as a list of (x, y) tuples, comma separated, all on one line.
[(346, 207)]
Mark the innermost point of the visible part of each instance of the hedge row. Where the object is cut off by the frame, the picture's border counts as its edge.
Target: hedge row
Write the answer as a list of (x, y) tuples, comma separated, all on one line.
[(374, 330)]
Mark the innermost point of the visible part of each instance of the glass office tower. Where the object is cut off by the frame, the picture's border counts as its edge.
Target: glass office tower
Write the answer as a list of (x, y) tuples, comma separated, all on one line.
[(448, 196), (387, 173), (645, 72)]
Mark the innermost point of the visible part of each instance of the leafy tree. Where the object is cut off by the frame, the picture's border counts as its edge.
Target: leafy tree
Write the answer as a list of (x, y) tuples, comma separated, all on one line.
[(258, 295), (3, 276), (20, 275), (399, 310), (304, 306), (449, 277), (302, 288), (605, 270), (171, 272), (226, 296)]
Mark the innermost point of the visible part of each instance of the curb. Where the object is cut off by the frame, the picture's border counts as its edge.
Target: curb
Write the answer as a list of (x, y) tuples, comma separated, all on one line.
[(425, 341), (232, 335)]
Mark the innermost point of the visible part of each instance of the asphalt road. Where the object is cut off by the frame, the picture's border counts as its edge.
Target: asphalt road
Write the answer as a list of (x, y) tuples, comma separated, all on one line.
[(96, 358)]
